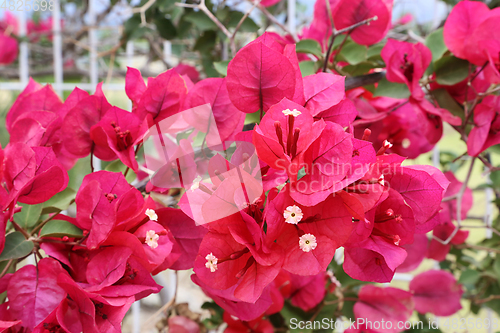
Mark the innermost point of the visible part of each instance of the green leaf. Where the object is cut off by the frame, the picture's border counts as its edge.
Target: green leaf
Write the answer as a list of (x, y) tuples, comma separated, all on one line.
[(451, 70), (207, 62), (59, 201), (361, 68), (134, 29), (166, 5), (292, 316), (309, 46), (28, 216), (435, 42), (469, 278), (16, 246), (60, 228), (216, 319), (496, 265), (374, 51), (165, 28), (206, 42), (247, 26), (221, 67), (447, 102), (118, 166), (353, 53), (391, 89), (307, 67), (201, 21)]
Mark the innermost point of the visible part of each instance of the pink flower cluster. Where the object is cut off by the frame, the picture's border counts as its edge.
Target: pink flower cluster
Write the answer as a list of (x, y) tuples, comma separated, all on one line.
[(9, 28), (262, 212)]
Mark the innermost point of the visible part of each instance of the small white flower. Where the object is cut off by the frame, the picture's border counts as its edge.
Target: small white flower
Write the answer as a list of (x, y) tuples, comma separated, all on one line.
[(387, 144), (211, 262), (406, 143), (307, 242), (151, 214), (333, 279), (152, 239), (294, 112), (196, 183), (293, 214)]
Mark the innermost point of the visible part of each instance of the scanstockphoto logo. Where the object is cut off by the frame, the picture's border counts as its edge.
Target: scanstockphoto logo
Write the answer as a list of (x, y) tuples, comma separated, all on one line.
[(361, 324), (220, 176)]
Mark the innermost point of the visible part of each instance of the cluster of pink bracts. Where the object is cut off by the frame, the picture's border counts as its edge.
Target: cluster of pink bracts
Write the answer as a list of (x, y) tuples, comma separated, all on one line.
[(9, 28), (300, 185)]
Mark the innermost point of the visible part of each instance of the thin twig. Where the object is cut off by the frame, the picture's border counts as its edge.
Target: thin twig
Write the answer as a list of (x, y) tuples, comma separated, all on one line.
[(459, 198), (490, 167), (233, 36), (487, 299), (336, 33), (489, 91), (477, 247), (21, 230), (207, 12), (142, 10), (44, 222), (275, 21), (6, 268), (480, 226)]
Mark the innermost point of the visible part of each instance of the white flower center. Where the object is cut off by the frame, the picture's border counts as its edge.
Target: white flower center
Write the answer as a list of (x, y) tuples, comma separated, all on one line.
[(387, 144), (294, 112), (196, 183), (211, 262), (307, 242), (293, 214), (381, 180), (151, 214), (152, 239)]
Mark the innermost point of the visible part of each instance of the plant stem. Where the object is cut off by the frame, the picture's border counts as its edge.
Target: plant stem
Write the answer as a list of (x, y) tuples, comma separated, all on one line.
[(459, 198), (336, 32), (21, 230)]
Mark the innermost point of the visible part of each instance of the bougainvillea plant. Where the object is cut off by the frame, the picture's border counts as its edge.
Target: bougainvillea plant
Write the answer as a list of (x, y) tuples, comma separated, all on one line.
[(292, 217)]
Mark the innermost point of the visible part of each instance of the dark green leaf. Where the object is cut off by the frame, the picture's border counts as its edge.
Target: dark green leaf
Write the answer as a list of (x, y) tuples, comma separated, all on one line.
[(221, 67), (447, 102), (201, 21), (435, 42), (309, 46), (165, 28), (166, 5), (59, 201), (118, 166), (391, 89), (16, 246), (208, 66), (496, 265), (292, 316), (134, 29), (28, 216), (247, 26), (216, 315), (361, 68), (451, 70), (206, 42), (60, 228)]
